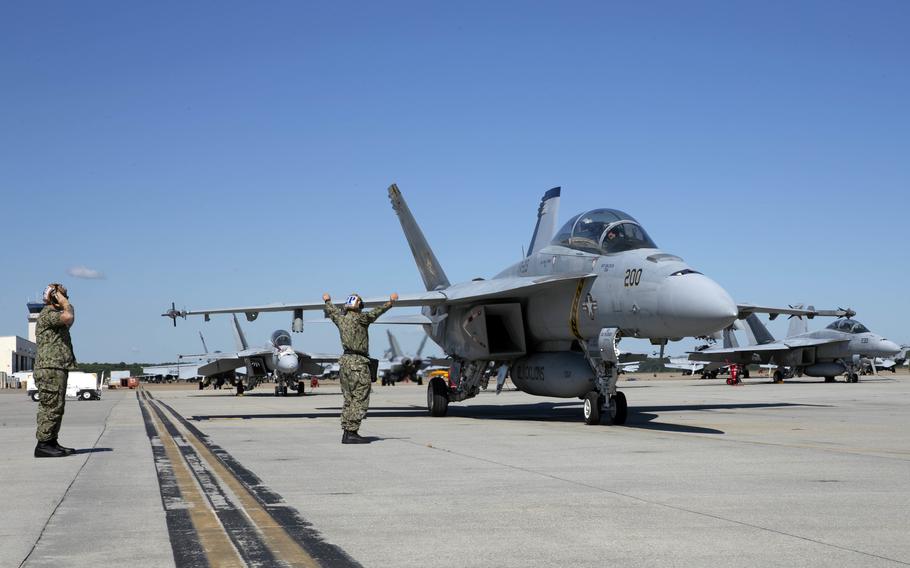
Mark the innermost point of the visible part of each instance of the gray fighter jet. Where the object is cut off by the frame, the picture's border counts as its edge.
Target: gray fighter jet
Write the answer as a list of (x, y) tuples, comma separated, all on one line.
[(552, 321), (841, 348), (277, 360), (398, 366)]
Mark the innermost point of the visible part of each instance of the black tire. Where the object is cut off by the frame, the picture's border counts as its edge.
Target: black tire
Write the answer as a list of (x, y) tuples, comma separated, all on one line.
[(437, 397), (778, 377), (419, 381), (240, 389), (852, 378), (830, 380), (277, 390), (619, 409), (35, 396), (591, 408), (85, 395), (301, 388)]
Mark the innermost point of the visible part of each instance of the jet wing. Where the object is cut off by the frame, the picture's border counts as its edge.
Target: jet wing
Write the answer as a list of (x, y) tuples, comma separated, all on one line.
[(466, 292), (318, 357), (221, 366), (810, 312), (776, 347)]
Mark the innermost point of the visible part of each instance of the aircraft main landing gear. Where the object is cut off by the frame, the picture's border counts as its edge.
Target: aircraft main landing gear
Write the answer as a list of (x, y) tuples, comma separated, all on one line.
[(438, 397)]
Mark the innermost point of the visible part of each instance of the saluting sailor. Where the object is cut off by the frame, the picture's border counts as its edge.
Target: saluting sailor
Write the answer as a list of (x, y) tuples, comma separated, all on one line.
[(354, 366), (52, 366)]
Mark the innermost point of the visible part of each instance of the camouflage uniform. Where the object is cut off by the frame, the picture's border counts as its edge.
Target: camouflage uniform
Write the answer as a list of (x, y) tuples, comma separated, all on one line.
[(54, 361), (354, 365)]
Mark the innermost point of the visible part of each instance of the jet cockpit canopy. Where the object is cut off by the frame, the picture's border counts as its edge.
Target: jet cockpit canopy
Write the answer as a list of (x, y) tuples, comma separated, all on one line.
[(603, 231), (281, 338), (848, 325)]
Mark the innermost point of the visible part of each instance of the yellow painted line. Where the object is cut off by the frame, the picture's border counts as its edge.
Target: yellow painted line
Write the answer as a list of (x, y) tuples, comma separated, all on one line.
[(573, 315), (215, 542), (284, 547)]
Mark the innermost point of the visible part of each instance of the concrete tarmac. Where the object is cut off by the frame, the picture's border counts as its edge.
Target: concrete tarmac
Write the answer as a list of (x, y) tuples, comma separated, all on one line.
[(799, 474)]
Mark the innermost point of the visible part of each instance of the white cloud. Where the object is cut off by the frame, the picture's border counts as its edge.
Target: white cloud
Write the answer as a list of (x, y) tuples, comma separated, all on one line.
[(85, 272)]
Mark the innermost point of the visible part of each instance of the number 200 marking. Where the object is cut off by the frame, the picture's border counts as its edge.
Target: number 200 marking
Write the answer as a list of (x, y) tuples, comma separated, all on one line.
[(633, 277)]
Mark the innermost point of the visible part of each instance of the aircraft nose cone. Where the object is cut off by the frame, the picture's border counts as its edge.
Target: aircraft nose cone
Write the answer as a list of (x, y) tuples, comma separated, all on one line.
[(287, 363), (693, 305), (889, 347)]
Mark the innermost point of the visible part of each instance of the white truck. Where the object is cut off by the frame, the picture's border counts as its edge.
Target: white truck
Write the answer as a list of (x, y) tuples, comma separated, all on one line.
[(84, 386)]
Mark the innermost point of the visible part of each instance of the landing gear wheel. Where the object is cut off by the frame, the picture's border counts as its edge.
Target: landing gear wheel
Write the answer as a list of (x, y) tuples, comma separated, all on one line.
[(852, 378), (591, 408), (277, 390), (830, 380), (617, 409), (419, 381), (437, 397), (240, 389), (301, 386), (778, 377)]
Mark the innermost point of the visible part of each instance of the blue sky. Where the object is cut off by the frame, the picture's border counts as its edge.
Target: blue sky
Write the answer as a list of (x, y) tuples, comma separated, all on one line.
[(231, 153)]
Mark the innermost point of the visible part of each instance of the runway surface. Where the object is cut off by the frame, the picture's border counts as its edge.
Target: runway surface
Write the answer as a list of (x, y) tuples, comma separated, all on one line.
[(799, 474)]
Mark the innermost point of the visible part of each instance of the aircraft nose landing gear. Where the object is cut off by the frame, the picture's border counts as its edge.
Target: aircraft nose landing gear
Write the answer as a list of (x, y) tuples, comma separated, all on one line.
[(598, 410), (605, 404)]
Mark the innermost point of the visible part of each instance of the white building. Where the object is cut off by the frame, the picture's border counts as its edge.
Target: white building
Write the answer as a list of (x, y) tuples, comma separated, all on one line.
[(17, 354)]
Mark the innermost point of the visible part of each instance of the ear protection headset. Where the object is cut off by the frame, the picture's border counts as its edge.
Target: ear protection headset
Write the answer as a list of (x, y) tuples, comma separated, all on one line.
[(354, 302), (50, 293)]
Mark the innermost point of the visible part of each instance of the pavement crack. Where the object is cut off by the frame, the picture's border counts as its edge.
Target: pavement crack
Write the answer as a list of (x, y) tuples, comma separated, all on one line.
[(70, 486)]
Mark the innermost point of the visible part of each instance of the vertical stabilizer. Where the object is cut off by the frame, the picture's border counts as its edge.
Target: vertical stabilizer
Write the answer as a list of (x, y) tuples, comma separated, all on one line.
[(239, 338), (394, 348), (430, 270), (757, 331), (798, 324), (423, 343), (730, 341), (546, 221), (205, 348)]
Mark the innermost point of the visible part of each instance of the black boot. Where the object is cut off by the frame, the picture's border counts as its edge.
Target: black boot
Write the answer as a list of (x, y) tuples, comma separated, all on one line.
[(48, 450), (353, 438), (64, 449)]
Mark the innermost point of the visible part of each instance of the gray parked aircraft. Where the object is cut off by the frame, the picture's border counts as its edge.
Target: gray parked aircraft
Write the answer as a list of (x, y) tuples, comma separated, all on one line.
[(553, 320), (398, 366), (277, 360), (841, 348)]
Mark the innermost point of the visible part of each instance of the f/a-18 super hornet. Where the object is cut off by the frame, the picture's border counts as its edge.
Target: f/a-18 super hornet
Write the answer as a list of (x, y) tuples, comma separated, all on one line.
[(842, 348), (890, 363), (397, 366), (277, 360), (552, 321)]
